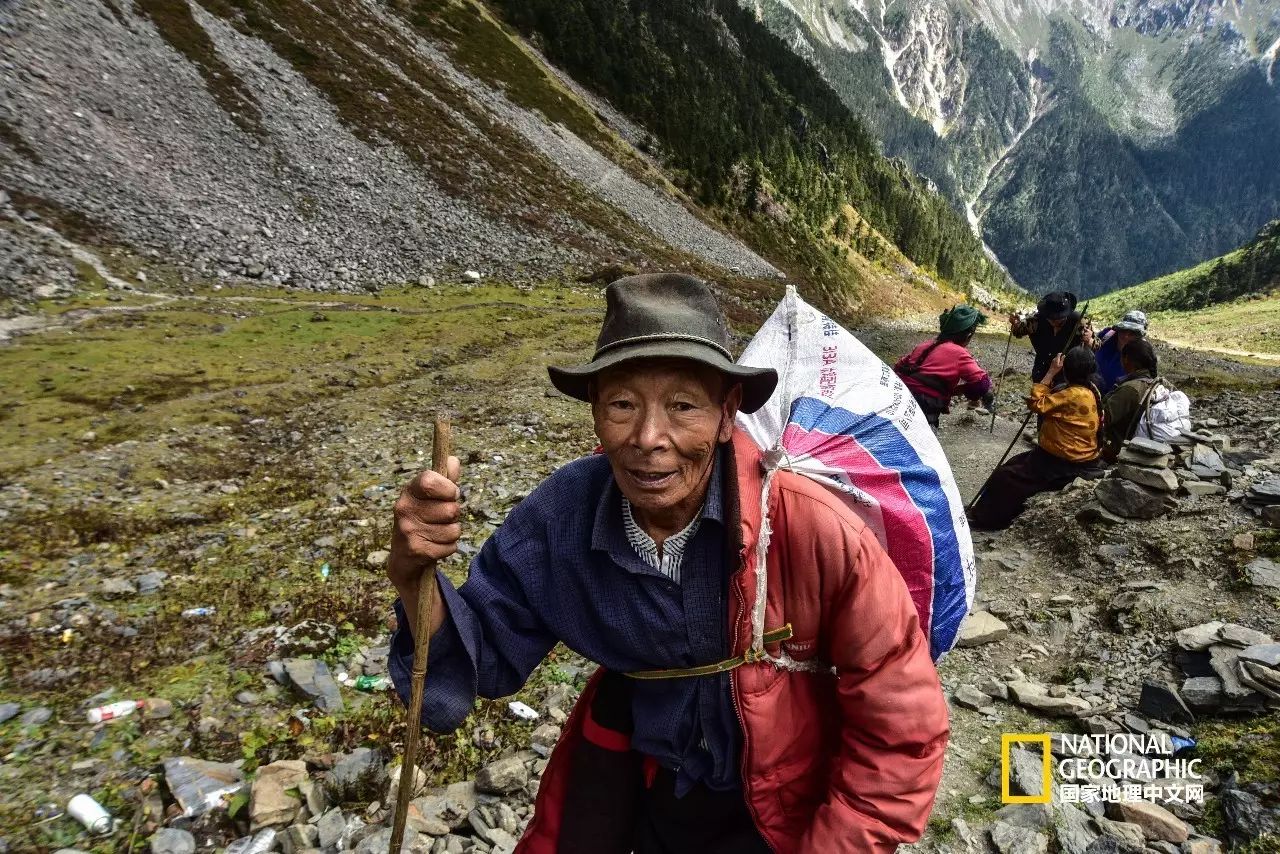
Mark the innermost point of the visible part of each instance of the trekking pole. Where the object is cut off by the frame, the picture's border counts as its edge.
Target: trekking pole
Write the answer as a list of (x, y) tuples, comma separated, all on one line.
[(421, 649), (1025, 421), (995, 401), (1012, 442)]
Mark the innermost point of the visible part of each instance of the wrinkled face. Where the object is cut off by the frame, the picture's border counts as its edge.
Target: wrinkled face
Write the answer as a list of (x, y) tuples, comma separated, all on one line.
[(659, 421)]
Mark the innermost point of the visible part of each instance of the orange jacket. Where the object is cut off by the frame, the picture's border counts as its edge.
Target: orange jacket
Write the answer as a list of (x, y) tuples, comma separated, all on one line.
[(832, 762)]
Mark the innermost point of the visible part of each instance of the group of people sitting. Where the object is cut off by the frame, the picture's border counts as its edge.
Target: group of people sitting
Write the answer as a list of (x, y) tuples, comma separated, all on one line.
[(1090, 393)]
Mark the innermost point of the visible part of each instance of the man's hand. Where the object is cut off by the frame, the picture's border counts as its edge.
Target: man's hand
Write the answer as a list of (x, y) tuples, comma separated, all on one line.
[(426, 530), (1086, 335)]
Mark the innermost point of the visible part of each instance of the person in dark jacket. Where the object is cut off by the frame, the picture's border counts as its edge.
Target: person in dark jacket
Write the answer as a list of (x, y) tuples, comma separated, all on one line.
[(1055, 328), (1069, 443), (1125, 404), (938, 370), (1114, 339)]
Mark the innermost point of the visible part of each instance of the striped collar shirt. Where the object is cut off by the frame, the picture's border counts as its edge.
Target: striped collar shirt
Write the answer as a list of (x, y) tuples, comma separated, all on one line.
[(666, 560)]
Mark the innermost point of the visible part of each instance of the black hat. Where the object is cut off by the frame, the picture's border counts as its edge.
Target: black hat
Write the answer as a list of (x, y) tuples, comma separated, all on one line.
[(665, 316), (1056, 305)]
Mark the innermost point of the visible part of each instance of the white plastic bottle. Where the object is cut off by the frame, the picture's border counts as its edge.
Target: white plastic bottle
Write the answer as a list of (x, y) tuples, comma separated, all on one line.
[(111, 711)]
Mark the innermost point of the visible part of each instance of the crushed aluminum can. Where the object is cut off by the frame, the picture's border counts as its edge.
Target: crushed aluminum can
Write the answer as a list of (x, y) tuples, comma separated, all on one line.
[(90, 813)]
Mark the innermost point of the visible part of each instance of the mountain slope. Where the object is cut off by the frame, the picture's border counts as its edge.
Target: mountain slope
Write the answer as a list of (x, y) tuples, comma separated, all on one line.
[(341, 146), (1179, 96), (1230, 302), (748, 127)]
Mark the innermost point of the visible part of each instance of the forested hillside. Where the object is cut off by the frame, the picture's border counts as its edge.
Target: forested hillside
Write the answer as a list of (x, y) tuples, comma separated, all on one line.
[(1251, 270), (747, 126)]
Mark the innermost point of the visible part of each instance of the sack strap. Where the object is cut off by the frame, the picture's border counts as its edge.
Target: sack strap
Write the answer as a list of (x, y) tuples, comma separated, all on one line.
[(771, 636)]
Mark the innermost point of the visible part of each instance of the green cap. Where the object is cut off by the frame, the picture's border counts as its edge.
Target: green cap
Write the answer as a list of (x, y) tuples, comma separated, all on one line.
[(962, 318)]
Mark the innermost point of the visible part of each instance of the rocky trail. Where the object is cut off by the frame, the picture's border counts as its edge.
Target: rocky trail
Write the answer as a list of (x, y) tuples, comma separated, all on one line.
[(210, 544)]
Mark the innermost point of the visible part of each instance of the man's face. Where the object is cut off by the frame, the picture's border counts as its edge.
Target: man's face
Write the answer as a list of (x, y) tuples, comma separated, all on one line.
[(1058, 324), (1123, 337), (659, 422)]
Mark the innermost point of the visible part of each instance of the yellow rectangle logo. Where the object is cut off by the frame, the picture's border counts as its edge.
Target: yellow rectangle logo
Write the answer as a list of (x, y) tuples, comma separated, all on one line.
[(1007, 740)]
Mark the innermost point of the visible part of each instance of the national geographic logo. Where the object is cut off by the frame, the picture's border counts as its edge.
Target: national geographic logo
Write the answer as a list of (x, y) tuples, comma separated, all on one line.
[(1145, 764), (1007, 740)]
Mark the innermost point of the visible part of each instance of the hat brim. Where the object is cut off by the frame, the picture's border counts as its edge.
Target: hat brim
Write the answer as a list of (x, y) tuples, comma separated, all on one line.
[(1129, 327), (757, 383)]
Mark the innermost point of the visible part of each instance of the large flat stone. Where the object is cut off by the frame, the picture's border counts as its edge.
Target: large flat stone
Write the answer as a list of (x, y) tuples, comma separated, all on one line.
[(1263, 572), (1199, 637), (1128, 499), (1202, 692), (1036, 696), (1156, 478), (312, 679), (1156, 821), (981, 627), (271, 803)]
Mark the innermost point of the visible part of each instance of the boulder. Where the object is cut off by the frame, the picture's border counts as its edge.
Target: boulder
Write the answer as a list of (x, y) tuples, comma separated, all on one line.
[(1156, 821), (970, 698), (271, 804), (1202, 692), (171, 840), (1148, 447), (356, 775), (1011, 839), (1263, 572), (1160, 700), (312, 679), (1199, 637), (309, 637), (1205, 462), (1224, 660), (1201, 488), (981, 627), (1037, 697), (1073, 830), (1157, 478), (1128, 499), (504, 776), (1247, 817)]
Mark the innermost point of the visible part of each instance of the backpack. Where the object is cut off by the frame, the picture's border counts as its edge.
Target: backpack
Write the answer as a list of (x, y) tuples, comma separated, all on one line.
[(1165, 413)]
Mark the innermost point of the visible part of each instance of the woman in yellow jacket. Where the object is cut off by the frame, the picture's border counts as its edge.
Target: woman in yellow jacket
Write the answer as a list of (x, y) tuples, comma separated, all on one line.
[(1069, 446)]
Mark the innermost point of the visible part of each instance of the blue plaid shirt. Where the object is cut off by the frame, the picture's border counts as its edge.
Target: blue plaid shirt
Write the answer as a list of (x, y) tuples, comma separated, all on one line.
[(560, 568)]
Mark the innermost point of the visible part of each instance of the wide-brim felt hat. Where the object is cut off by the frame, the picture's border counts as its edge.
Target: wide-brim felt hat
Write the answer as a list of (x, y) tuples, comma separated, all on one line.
[(1057, 305), (665, 316)]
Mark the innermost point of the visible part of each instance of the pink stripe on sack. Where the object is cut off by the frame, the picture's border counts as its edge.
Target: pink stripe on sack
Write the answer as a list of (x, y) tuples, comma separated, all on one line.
[(907, 536)]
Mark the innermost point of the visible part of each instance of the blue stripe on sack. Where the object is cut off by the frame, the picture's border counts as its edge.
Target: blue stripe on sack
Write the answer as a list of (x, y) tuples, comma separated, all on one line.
[(893, 450)]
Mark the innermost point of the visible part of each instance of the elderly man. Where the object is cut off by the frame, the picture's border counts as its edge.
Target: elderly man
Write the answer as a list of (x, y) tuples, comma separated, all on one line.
[(641, 558), (1132, 327), (1054, 328)]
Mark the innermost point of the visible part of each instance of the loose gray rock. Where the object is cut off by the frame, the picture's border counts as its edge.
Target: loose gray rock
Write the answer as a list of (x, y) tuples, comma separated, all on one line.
[(981, 627), (1263, 572), (270, 802), (37, 717), (1156, 478), (1128, 499), (312, 679), (171, 840), (504, 776), (356, 775), (1010, 839), (1202, 692), (8, 710)]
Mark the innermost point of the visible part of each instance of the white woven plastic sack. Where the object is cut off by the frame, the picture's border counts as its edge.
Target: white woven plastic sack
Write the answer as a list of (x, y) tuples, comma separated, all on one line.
[(842, 417)]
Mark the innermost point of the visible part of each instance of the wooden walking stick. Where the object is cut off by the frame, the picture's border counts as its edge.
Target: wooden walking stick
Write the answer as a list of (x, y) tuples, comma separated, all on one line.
[(995, 401), (421, 649), (1076, 331)]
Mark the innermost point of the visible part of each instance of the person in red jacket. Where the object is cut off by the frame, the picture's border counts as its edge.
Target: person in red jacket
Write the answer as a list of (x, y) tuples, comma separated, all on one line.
[(943, 368), (731, 713)]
